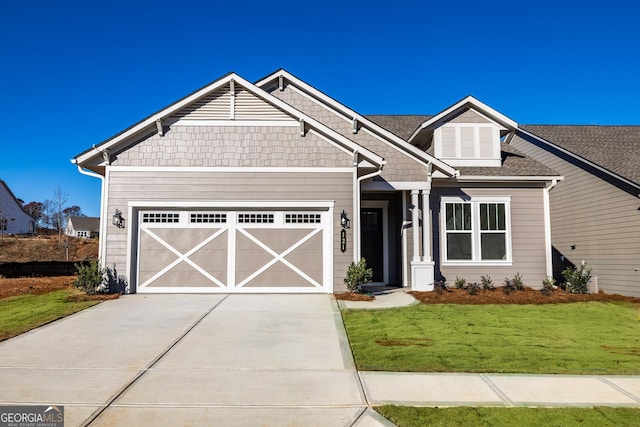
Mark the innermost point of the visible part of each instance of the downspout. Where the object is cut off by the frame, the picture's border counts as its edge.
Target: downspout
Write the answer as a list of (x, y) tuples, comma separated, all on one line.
[(357, 181), (102, 237), (547, 226)]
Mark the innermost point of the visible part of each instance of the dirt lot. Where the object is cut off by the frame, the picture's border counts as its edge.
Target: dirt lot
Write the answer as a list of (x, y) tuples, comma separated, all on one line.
[(526, 296), (47, 248)]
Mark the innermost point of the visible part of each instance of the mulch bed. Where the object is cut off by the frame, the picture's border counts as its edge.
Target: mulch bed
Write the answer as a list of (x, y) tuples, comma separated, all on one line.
[(497, 296), (526, 296)]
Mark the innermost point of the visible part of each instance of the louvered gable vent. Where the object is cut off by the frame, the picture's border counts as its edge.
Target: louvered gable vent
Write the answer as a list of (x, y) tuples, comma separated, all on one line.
[(250, 107), (214, 106)]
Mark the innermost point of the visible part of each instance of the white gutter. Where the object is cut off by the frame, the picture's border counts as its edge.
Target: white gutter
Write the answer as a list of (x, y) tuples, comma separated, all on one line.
[(476, 178), (547, 226), (356, 205), (103, 215)]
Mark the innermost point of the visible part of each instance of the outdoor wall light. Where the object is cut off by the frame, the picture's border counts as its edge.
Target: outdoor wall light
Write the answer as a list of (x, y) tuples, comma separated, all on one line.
[(117, 219), (344, 221)]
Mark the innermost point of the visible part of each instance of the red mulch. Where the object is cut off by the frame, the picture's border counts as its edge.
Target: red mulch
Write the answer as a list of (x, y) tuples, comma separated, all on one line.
[(353, 296), (526, 296)]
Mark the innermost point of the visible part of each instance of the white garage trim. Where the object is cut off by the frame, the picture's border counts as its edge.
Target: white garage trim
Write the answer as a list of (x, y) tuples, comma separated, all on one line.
[(232, 220)]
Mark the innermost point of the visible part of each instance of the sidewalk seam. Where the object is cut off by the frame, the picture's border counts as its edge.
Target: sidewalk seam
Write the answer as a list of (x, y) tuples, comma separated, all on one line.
[(618, 388), (496, 389)]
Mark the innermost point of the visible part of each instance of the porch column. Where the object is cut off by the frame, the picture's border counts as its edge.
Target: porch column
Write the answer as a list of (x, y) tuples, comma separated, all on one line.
[(415, 226), (422, 267), (426, 227)]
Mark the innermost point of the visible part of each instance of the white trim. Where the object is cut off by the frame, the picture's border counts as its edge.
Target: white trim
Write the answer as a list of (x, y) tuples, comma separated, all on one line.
[(384, 205), (223, 169), (493, 161), (474, 162), (249, 123), (395, 185), (476, 231), (232, 204), (547, 228), (405, 241), (496, 178), (325, 208), (582, 159), (472, 103)]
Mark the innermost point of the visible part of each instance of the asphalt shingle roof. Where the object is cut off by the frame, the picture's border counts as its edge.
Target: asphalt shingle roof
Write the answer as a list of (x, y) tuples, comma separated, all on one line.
[(85, 223), (400, 125), (615, 148)]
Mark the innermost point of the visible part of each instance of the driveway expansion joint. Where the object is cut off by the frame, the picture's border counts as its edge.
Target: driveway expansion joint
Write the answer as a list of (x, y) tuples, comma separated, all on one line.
[(143, 371)]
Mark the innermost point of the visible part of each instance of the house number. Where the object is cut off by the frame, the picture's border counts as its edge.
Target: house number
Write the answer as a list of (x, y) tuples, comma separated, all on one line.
[(343, 240)]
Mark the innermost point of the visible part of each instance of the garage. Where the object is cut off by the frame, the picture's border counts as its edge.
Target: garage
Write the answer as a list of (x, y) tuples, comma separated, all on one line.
[(251, 249)]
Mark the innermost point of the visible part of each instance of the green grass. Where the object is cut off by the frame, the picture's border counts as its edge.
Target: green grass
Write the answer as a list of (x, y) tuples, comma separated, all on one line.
[(405, 416), (576, 338), (25, 312)]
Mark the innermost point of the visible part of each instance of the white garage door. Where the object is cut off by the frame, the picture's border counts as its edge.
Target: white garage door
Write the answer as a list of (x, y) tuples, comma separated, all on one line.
[(234, 251)]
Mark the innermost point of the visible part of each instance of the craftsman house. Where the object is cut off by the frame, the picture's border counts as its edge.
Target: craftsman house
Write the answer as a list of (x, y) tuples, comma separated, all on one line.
[(595, 210), (273, 186)]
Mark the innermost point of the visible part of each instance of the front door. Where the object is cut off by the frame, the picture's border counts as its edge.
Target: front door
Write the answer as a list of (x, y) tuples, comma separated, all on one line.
[(372, 250)]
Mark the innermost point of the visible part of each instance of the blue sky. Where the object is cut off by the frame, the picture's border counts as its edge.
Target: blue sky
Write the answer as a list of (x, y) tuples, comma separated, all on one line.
[(74, 73)]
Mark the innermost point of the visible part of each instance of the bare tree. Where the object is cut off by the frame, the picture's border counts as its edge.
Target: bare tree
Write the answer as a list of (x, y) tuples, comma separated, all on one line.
[(53, 210)]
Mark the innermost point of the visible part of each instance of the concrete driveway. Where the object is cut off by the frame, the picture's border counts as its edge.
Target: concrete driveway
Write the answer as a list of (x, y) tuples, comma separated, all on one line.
[(231, 360)]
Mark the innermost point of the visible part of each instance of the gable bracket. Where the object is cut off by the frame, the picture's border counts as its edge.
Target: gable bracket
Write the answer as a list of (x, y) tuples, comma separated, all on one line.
[(159, 127), (280, 83), (301, 127), (354, 125)]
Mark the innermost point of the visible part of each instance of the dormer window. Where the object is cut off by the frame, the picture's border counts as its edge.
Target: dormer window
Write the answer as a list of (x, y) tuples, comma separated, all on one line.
[(469, 139)]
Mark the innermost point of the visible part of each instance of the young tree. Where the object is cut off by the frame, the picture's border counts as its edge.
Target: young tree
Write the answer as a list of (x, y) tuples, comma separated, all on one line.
[(34, 209), (54, 210)]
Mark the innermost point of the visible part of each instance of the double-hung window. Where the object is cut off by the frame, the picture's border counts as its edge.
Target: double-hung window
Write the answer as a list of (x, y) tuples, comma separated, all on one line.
[(476, 230)]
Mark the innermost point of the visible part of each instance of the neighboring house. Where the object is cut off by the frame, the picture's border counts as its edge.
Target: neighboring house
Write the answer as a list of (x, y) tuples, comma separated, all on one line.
[(275, 187), (83, 226), (13, 218), (595, 211)]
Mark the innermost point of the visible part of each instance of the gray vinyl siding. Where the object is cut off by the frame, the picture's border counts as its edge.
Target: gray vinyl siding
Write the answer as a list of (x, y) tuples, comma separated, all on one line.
[(198, 186), (600, 219), (400, 166), (527, 236), (233, 146)]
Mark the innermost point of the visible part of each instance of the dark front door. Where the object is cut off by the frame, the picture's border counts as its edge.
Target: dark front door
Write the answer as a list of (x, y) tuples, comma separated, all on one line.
[(372, 238)]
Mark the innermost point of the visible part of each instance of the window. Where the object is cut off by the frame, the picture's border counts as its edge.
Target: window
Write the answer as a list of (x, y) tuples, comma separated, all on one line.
[(161, 217), (208, 217), (476, 230), (255, 218), (302, 218)]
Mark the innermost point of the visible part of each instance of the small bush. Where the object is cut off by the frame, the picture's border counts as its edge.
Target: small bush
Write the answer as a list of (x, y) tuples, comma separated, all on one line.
[(440, 286), (473, 288), (548, 286), (460, 283), (113, 282), (89, 277), (508, 287), (358, 275), (487, 283), (576, 280), (518, 283)]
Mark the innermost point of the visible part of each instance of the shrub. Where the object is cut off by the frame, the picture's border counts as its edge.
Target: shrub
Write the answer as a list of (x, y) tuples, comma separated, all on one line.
[(440, 286), (358, 275), (89, 277), (508, 286), (548, 286), (576, 280), (487, 283), (473, 288), (113, 282), (517, 282), (460, 283)]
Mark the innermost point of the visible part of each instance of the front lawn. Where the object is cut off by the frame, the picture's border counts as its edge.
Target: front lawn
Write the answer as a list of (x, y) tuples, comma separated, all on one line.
[(22, 313), (574, 338), (404, 416)]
